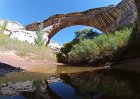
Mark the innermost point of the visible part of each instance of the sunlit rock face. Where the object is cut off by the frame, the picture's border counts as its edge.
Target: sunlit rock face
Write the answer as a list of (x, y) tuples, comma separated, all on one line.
[(106, 19), (16, 31), (55, 47)]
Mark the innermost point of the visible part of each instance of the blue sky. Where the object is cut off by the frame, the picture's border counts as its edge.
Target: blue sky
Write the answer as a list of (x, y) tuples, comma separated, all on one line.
[(28, 11)]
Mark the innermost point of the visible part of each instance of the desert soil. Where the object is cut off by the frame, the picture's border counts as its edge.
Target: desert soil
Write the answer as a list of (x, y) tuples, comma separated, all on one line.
[(10, 58), (132, 65), (27, 64)]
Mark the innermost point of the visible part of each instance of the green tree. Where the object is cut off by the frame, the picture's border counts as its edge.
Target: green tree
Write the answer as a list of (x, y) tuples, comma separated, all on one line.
[(37, 85), (39, 39), (99, 50), (63, 54), (3, 27), (86, 33)]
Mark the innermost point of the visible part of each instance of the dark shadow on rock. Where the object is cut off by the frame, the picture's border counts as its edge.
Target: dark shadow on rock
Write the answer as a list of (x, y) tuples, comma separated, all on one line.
[(5, 69)]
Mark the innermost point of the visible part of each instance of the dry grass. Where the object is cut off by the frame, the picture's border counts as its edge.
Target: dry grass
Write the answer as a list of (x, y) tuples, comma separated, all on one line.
[(26, 49), (32, 51)]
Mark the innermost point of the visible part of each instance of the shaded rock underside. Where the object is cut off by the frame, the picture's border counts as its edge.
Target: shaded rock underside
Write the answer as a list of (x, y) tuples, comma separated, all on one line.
[(106, 19)]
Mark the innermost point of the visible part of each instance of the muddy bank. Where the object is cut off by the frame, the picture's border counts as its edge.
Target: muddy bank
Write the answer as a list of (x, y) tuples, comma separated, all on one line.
[(132, 65), (25, 63)]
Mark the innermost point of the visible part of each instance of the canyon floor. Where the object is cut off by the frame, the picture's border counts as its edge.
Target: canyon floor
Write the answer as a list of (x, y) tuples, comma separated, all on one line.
[(132, 65), (25, 63)]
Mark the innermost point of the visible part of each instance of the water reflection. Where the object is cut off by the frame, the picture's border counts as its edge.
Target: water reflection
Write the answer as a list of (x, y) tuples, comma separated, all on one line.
[(13, 97), (75, 69), (99, 84), (104, 84)]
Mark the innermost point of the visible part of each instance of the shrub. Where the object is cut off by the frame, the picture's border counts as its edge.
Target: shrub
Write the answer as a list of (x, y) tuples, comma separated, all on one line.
[(63, 54), (39, 39), (100, 48), (3, 36), (87, 33), (26, 49), (3, 26)]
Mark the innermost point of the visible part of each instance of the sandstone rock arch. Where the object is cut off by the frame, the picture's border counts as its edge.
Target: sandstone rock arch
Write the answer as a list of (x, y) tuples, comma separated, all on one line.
[(106, 19)]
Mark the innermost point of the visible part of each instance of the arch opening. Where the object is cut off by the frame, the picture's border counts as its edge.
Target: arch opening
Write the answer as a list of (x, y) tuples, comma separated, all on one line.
[(67, 34)]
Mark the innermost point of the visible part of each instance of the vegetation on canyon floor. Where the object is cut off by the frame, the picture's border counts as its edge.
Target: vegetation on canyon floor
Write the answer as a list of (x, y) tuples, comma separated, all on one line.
[(26, 49), (3, 26), (22, 48), (91, 49), (39, 39)]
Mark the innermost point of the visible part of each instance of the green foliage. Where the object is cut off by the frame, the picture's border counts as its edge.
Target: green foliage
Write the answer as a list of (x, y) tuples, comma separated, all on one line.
[(37, 85), (39, 39), (93, 49), (3, 26), (62, 56), (87, 33), (3, 36), (102, 47), (26, 49)]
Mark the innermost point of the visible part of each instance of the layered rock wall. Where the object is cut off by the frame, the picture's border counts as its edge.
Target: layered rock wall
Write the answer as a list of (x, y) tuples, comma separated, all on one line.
[(106, 19)]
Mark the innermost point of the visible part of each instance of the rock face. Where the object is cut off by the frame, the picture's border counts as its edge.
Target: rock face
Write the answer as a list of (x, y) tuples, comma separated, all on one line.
[(55, 47), (16, 31), (106, 19)]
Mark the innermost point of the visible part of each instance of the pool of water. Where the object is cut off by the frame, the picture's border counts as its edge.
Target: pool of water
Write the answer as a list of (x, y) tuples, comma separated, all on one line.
[(62, 69), (88, 84), (13, 97)]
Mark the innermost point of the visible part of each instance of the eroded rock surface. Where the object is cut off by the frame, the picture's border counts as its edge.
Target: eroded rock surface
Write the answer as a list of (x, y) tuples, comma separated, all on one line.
[(106, 19), (17, 31)]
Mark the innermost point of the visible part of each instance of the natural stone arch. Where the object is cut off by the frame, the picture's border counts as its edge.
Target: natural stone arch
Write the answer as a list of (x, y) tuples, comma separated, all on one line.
[(92, 18), (106, 19)]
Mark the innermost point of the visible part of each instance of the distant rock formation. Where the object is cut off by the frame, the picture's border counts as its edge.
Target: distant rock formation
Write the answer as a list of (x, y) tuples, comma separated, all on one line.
[(55, 47), (16, 31), (106, 19)]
